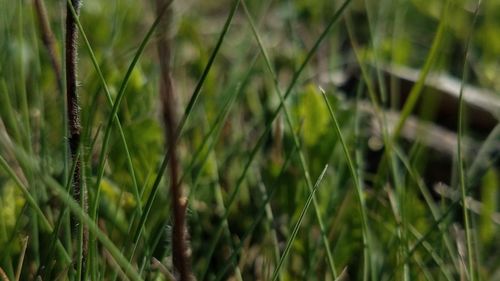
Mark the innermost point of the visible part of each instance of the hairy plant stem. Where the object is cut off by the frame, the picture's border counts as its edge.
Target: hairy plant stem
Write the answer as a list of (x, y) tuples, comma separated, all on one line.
[(74, 127), (180, 246)]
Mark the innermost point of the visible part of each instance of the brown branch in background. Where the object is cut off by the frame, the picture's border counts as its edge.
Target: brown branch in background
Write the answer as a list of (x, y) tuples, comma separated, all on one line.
[(180, 246), (49, 41), (74, 127)]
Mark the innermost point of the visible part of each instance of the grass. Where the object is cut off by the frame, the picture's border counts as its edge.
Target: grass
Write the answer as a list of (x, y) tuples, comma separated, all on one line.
[(269, 94)]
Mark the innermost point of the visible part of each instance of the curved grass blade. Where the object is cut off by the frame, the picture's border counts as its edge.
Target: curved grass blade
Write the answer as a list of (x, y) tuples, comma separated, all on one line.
[(304, 166), (199, 85), (260, 141), (297, 225), (359, 191), (182, 123)]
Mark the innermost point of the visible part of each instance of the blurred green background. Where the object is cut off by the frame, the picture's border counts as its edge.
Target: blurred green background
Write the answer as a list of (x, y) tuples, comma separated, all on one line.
[(416, 233)]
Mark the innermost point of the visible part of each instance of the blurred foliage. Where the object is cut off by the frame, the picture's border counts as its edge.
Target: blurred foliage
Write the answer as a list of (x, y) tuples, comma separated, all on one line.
[(386, 32)]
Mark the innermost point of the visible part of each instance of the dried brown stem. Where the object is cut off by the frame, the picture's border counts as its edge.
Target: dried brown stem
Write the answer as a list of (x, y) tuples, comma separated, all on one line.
[(49, 41), (180, 246), (74, 127), (3, 276)]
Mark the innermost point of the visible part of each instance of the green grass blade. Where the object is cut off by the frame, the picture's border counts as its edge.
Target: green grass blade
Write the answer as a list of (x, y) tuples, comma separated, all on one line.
[(461, 165), (8, 115), (187, 113), (258, 218), (427, 195), (352, 169), (206, 70), (260, 141), (87, 220), (33, 204), (304, 166), (211, 137), (296, 228), (416, 90)]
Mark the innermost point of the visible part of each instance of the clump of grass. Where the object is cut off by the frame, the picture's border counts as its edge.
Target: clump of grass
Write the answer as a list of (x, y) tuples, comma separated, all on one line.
[(249, 185)]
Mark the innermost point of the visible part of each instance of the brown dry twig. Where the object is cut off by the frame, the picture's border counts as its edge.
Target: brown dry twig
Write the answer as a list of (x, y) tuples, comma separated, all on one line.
[(49, 41), (3, 276), (180, 245)]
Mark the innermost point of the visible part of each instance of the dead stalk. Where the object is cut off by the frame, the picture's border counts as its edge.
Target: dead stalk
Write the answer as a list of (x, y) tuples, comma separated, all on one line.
[(180, 246), (49, 41)]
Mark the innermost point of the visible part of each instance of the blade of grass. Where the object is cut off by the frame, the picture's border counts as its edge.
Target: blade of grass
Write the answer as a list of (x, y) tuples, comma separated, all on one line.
[(388, 158), (210, 140), (270, 218), (92, 226), (20, 263), (376, 29), (8, 115), (303, 163), (426, 194), (258, 218), (113, 116), (33, 204), (359, 191), (461, 164), (416, 90), (296, 228), (435, 226), (434, 254), (260, 141), (55, 232), (206, 70), (425, 243), (23, 96), (187, 113), (11, 241)]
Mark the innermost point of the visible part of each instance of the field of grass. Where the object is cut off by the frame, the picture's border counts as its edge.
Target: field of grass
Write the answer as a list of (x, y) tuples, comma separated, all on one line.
[(299, 140)]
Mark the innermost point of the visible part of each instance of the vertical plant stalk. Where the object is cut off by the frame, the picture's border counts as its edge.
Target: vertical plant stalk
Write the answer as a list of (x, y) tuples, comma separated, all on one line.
[(461, 163), (180, 245), (74, 128), (49, 42)]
